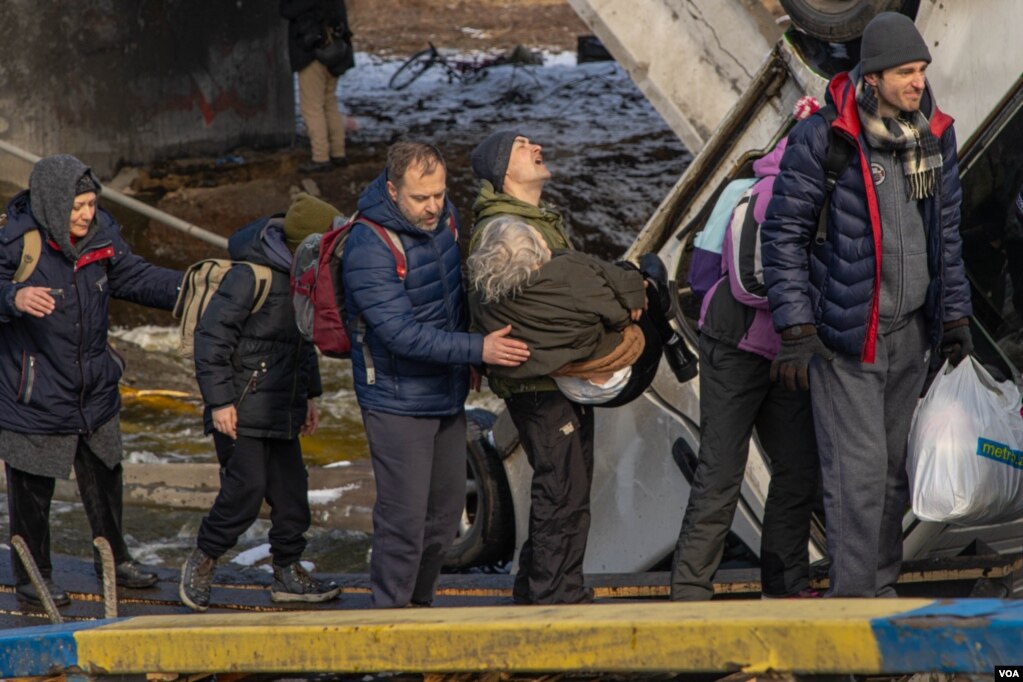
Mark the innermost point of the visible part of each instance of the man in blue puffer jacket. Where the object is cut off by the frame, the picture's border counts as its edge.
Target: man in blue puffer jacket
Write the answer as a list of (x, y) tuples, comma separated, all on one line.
[(410, 358), (59, 400), (860, 310)]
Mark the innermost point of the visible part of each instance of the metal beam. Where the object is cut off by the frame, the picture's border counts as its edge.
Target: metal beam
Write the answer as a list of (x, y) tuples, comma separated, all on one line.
[(692, 59), (134, 204)]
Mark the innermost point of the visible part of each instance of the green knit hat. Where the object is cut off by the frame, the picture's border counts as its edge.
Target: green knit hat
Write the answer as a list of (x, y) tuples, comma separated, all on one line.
[(306, 216)]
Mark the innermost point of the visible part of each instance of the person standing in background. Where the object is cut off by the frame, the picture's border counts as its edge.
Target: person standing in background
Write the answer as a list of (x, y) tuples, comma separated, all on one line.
[(320, 50)]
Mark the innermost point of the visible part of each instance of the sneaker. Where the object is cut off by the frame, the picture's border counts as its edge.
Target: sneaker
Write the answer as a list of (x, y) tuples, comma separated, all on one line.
[(27, 593), (316, 167), (196, 576), (130, 574), (293, 583), (339, 161)]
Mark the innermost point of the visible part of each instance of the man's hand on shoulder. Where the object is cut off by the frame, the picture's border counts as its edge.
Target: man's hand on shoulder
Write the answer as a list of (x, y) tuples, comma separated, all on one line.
[(798, 344), (498, 349)]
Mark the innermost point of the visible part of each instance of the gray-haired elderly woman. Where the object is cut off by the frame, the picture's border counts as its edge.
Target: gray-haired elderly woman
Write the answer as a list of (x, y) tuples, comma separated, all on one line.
[(574, 311), (59, 400)]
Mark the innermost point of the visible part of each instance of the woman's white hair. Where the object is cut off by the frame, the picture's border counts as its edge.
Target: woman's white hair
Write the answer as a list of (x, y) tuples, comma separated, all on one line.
[(507, 255)]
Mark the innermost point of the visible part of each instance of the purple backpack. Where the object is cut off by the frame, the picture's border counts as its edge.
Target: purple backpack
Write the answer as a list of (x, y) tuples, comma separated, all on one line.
[(705, 268)]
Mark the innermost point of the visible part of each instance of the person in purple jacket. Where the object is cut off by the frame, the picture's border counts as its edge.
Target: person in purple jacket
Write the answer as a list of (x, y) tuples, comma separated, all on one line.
[(737, 345)]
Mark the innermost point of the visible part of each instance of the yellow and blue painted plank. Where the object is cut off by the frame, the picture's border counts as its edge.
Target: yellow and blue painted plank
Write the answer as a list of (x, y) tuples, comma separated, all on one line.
[(863, 636)]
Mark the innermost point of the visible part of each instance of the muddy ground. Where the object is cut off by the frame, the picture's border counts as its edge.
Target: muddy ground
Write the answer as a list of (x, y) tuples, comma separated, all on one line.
[(401, 27), (613, 157), (222, 197)]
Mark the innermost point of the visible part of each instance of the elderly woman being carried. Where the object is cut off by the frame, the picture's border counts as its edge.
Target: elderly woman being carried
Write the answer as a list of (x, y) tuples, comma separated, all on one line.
[(589, 324)]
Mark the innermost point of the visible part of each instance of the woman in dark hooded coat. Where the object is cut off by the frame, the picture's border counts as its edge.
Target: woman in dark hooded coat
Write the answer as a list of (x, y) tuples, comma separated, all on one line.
[(59, 400)]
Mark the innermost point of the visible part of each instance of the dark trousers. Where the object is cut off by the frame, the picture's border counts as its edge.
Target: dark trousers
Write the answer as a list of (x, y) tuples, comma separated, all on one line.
[(736, 394), (28, 504), (557, 436), (253, 470), (419, 468)]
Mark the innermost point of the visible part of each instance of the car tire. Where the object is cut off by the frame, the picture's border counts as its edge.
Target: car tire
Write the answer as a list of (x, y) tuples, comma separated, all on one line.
[(486, 534), (837, 21)]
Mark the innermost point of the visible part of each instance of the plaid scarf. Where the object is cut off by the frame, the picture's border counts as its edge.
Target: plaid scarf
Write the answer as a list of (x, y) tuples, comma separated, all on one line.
[(909, 134)]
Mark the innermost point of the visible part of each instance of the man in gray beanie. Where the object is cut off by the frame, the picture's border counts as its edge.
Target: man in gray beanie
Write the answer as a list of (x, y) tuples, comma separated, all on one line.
[(556, 433), (863, 294), (490, 158)]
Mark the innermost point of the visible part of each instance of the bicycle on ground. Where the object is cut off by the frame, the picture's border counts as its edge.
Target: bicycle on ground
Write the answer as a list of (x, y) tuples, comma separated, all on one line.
[(462, 69)]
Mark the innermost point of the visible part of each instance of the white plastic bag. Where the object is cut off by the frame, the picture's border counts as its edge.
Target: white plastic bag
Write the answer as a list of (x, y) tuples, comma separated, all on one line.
[(965, 457)]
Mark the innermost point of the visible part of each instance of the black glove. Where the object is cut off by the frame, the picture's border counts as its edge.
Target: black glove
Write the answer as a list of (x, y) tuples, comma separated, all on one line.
[(956, 342), (798, 345)]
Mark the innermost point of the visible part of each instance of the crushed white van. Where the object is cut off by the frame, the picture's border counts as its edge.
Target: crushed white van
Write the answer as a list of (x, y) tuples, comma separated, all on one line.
[(646, 451)]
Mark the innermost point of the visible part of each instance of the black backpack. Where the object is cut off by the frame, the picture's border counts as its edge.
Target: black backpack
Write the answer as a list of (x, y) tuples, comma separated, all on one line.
[(840, 153)]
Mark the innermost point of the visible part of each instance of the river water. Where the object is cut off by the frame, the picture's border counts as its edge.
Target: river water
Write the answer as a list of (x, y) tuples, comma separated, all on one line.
[(613, 159)]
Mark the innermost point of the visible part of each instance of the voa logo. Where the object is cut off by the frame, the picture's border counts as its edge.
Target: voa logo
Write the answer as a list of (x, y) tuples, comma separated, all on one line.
[(1011, 672)]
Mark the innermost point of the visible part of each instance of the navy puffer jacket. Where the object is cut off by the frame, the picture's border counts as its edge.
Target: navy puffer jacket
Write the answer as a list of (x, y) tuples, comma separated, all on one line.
[(258, 361), (58, 375), (838, 287), (415, 329)]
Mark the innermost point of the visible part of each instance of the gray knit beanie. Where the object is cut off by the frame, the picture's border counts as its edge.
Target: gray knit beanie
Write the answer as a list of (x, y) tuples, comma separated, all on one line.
[(891, 39), (490, 158)]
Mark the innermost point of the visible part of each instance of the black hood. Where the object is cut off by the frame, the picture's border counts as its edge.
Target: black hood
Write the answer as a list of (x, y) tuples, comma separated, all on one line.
[(51, 188)]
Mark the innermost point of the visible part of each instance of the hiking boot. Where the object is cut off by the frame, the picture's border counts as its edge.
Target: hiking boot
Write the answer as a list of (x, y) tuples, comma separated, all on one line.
[(27, 593), (196, 576), (130, 574), (293, 583)]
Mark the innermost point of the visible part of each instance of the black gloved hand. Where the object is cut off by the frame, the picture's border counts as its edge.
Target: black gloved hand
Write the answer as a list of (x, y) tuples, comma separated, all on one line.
[(798, 345), (956, 342)]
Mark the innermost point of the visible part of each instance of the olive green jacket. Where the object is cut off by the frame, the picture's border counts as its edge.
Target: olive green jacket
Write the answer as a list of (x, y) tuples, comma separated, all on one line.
[(491, 204)]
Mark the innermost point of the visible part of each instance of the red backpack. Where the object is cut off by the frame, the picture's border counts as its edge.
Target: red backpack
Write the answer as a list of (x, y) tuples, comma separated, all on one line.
[(317, 285)]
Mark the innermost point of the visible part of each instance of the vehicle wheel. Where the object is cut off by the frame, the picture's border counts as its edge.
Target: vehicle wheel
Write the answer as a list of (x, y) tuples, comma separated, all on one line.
[(412, 69), (486, 534), (837, 21)]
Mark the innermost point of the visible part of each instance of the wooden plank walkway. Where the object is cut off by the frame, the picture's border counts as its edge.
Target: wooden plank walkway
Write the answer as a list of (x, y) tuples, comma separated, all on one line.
[(631, 628), (828, 636), (239, 589)]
